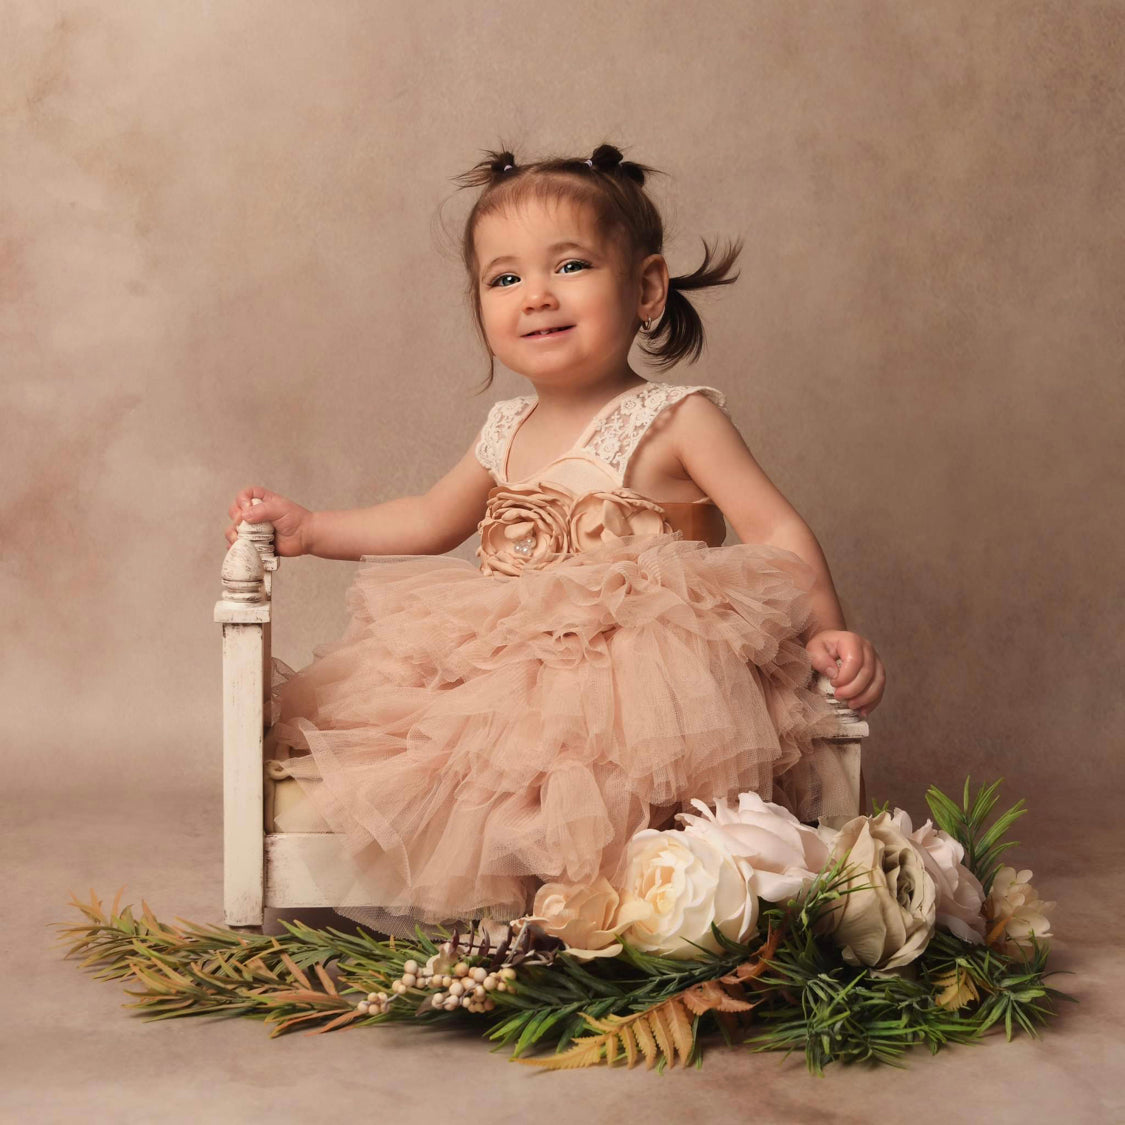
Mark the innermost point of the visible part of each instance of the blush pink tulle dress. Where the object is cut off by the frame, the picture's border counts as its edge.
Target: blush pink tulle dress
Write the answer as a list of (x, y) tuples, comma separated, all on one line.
[(481, 730)]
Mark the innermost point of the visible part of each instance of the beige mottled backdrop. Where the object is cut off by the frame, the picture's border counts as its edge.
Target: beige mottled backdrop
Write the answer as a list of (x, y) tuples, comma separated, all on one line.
[(226, 260)]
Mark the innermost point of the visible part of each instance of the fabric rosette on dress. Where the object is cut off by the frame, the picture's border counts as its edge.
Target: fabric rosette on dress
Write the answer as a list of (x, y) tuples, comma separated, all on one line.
[(532, 526)]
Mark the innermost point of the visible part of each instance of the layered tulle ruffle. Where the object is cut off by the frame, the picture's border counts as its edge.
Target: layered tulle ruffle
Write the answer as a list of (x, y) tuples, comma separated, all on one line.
[(474, 735)]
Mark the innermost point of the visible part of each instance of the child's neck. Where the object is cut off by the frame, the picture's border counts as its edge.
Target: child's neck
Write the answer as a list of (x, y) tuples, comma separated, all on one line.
[(575, 400)]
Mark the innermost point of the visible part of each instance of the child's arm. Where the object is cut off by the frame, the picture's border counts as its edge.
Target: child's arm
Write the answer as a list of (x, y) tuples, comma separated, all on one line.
[(430, 524), (713, 453)]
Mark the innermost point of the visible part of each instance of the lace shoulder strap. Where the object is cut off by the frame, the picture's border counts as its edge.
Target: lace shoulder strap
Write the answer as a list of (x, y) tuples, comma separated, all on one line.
[(497, 429), (618, 434)]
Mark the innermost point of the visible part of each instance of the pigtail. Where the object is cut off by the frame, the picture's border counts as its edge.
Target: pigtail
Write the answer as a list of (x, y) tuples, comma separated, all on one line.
[(495, 166), (608, 160), (680, 331)]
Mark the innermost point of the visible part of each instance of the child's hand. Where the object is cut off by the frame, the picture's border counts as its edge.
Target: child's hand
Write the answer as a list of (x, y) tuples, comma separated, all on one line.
[(290, 521), (860, 678)]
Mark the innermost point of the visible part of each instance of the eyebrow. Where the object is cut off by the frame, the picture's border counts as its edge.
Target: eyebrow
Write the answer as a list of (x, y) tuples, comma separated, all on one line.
[(554, 248)]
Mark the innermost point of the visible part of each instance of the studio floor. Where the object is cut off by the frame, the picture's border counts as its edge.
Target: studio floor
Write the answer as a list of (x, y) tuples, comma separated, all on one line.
[(70, 1052)]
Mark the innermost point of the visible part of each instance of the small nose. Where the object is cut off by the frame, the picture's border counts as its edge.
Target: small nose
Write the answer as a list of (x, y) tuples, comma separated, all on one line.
[(538, 295)]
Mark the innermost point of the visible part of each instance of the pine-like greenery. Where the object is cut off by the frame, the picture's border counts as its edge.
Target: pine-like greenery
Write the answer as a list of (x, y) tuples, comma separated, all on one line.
[(787, 986)]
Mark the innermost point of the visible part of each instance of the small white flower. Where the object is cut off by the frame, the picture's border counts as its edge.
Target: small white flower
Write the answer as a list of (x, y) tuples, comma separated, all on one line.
[(1015, 904)]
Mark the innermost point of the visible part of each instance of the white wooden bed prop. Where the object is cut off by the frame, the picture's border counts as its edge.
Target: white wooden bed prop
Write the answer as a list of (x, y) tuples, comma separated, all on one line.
[(266, 868)]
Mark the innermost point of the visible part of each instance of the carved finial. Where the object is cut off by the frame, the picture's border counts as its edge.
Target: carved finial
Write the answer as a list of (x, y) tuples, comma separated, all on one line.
[(260, 534), (243, 574), (849, 719)]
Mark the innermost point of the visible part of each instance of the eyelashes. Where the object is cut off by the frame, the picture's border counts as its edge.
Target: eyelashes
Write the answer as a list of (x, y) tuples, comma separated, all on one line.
[(495, 282)]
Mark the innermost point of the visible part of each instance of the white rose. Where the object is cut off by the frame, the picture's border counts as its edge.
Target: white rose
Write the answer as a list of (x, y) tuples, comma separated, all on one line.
[(1017, 911), (960, 897), (687, 883), (888, 918), (779, 855)]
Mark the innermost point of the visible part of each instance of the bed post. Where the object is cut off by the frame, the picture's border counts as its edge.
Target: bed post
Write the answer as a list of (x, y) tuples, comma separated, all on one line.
[(840, 754), (244, 612)]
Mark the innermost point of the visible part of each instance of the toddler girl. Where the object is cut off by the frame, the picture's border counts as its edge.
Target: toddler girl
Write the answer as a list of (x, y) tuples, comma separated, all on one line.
[(481, 730)]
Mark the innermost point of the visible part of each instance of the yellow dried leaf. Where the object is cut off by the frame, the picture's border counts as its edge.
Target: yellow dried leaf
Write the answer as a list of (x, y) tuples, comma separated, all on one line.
[(956, 989), (663, 1034), (586, 1052), (680, 1023), (645, 1040), (630, 1045)]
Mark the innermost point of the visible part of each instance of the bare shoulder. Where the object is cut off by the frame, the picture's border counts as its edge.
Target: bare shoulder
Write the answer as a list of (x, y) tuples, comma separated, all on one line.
[(697, 423), (660, 465)]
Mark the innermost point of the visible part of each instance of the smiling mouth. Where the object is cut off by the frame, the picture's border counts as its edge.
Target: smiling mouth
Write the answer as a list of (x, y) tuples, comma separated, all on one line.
[(549, 331)]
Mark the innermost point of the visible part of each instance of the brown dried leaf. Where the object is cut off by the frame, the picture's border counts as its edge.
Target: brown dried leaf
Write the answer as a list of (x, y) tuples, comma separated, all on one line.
[(339, 1021), (295, 972), (708, 996), (326, 980)]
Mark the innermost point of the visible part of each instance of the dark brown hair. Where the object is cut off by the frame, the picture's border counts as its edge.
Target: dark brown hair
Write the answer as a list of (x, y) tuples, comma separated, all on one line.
[(613, 189)]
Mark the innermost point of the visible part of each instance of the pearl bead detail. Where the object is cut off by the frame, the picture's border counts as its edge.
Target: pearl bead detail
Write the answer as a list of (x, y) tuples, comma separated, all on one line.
[(524, 547)]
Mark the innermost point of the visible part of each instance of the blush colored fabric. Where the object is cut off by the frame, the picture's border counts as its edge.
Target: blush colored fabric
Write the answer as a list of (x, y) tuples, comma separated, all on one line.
[(478, 731)]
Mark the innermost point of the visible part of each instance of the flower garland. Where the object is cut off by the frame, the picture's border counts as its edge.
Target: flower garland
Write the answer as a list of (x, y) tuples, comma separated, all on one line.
[(850, 941)]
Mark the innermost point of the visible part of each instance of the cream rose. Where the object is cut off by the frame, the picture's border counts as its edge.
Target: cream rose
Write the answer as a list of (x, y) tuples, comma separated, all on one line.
[(601, 517), (687, 883), (778, 855), (960, 897), (523, 528), (586, 919), (1017, 912), (888, 919)]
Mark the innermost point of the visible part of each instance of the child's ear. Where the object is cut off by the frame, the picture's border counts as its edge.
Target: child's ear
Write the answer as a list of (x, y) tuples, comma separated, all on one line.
[(654, 286)]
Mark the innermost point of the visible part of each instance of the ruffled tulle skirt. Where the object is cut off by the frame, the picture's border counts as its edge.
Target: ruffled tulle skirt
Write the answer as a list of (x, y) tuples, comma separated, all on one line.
[(472, 736)]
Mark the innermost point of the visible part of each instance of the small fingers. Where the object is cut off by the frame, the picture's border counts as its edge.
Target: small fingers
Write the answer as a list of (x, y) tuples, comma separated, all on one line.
[(855, 659), (868, 700), (245, 500)]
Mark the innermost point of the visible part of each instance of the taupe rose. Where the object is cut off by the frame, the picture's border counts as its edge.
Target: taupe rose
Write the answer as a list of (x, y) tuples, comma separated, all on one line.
[(602, 517), (886, 918), (524, 527)]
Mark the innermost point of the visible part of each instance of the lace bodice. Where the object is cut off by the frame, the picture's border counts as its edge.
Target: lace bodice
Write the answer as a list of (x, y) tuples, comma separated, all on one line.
[(610, 438)]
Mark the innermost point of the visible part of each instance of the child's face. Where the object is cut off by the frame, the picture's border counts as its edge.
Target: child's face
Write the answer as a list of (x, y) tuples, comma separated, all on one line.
[(544, 266)]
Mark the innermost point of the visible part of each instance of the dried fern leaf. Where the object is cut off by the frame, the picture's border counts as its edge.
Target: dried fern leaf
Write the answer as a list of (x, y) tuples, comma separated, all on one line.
[(645, 1040), (708, 996), (629, 1042), (662, 1032), (586, 1052), (681, 1027), (956, 989)]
